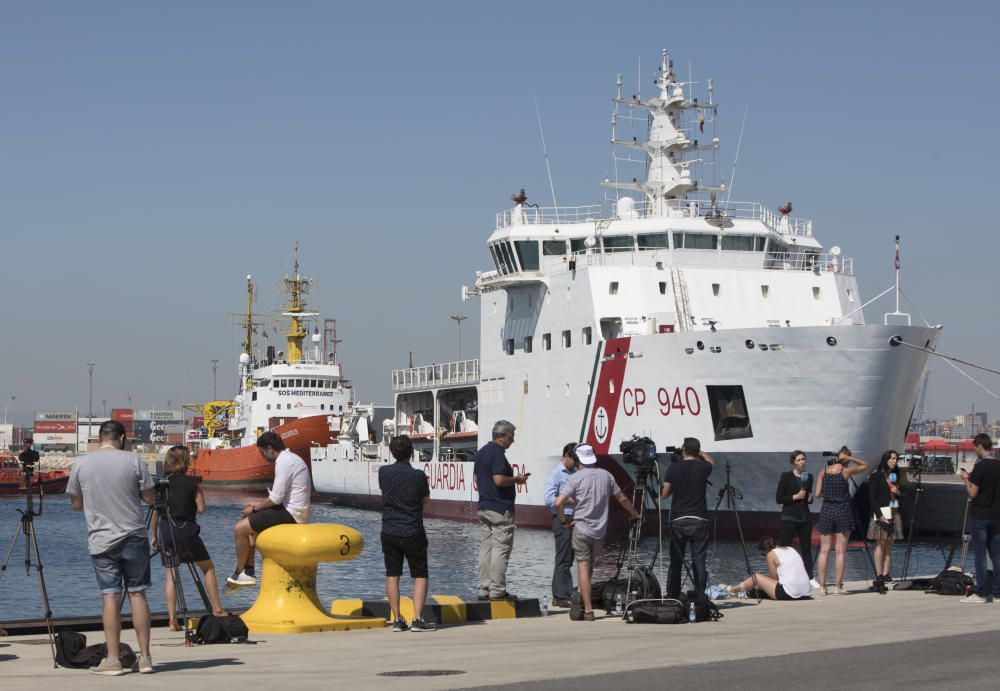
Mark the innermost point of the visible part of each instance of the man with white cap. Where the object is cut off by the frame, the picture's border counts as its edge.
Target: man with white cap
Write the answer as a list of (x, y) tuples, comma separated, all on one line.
[(589, 491)]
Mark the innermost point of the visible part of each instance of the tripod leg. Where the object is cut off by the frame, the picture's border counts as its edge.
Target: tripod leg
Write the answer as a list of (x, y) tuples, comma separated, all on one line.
[(10, 550), (39, 568), (731, 502)]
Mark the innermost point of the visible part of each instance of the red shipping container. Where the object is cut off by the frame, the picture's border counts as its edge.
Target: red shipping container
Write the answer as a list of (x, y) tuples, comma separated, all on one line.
[(123, 414)]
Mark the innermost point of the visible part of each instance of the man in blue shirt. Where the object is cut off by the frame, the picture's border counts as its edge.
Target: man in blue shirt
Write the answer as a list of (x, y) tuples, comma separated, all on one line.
[(404, 494), (562, 578), (496, 483)]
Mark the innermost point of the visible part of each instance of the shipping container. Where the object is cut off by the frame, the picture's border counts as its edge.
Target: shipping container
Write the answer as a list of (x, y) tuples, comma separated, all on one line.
[(123, 414), (44, 426)]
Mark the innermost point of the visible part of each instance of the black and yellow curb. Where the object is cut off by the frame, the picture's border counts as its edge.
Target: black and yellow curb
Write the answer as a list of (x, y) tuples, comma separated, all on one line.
[(441, 609)]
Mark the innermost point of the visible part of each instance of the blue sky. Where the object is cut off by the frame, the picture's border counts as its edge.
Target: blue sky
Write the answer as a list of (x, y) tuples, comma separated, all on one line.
[(153, 155)]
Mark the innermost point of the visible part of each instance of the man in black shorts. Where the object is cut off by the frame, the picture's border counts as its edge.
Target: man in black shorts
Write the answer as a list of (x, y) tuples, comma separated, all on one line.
[(287, 502), (404, 494)]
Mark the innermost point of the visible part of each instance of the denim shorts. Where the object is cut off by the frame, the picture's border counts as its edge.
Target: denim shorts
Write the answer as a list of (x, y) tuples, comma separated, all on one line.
[(126, 563)]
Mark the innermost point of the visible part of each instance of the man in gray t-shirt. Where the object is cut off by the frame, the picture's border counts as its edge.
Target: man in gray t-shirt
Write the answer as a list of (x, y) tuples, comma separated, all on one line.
[(109, 486), (589, 490)]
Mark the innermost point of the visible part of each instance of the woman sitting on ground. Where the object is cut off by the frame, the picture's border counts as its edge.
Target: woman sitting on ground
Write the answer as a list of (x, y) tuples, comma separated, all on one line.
[(886, 526), (786, 578), (177, 534), (837, 515)]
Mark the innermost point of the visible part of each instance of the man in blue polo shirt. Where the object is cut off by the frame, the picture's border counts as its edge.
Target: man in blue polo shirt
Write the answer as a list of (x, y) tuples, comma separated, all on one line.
[(496, 483), (562, 578)]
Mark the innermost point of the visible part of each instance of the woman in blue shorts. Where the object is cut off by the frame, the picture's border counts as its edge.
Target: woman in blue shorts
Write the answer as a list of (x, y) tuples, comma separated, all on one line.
[(837, 515)]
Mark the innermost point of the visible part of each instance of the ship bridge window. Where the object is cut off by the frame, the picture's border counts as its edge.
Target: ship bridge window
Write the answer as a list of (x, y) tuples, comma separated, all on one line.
[(577, 245), (618, 243), (696, 241), (507, 256), (587, 335), (739, 243), (730, 416), (652, 241), (527, 254), (496, 259), (298, 383), (553, 248)]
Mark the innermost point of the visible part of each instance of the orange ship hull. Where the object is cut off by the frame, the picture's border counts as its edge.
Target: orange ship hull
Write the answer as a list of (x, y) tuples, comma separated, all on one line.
[(49, 482), (243, 468)]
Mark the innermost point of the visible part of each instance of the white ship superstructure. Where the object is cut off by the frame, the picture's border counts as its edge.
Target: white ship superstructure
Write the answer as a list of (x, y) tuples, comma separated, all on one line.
[(674, 313)]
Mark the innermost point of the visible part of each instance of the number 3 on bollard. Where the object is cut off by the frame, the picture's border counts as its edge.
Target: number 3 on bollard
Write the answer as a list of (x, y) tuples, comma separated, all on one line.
[(346, 549)]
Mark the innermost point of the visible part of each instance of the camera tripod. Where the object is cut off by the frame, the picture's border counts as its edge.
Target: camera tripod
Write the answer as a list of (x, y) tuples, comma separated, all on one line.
[(918, 492), (732, 495), (860, 526), (644, 482), (26, 527), (172, 560)]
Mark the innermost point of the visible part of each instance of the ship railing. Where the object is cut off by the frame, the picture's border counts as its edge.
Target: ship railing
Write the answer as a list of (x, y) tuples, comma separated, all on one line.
[(785, 261), (668, 208), (443, 374)]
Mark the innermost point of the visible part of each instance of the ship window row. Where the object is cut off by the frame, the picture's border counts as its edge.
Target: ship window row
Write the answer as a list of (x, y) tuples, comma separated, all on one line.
[(289, 406), (586, 338), (523, 255), (305, 384)]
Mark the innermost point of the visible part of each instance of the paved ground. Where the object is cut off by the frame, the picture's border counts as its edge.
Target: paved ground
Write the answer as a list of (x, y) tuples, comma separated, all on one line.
[(860, 639)]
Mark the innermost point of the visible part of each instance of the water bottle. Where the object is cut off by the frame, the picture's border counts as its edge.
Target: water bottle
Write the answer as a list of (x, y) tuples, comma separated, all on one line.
[(545, 606), (742, 593), (691, 615), (618, 603)]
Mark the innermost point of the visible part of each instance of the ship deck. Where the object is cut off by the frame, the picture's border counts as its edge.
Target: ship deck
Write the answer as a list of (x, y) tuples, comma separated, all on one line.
[(873, 646)]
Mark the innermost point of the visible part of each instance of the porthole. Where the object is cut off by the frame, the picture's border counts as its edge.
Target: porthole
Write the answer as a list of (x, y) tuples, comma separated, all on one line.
[(763, 347), (831, 341), (750, 343), (701, 345)]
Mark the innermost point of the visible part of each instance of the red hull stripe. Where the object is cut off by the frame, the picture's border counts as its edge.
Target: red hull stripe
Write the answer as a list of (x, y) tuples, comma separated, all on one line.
[(607, 394)]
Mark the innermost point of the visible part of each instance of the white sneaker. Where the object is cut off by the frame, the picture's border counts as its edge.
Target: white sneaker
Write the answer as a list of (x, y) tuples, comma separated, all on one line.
[(814, 583), (974, 599), (242, 580)]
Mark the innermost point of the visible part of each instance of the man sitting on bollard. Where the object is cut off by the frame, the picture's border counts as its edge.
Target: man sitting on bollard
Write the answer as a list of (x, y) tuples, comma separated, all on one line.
[(404, 493), (286, 502), (590, 488)]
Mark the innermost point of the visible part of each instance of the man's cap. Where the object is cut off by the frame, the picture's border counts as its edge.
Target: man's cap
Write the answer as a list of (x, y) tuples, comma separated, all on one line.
[(585, 454)]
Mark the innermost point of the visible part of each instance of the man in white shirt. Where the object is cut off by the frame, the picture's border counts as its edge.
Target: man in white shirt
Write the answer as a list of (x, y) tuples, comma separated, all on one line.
[(286, 502)]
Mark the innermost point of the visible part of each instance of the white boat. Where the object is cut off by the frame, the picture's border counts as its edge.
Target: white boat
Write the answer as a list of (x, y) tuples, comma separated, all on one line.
[(666, 312)]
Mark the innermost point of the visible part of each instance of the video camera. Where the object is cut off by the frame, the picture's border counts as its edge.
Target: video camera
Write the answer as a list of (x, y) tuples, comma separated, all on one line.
[(639, 451)]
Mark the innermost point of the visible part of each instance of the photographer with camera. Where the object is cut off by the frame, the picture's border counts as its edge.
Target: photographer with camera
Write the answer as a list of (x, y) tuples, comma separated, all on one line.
[(110, 486), (794, 493), (686, 480), (175, 530), (837, 514), (589, 490), (886, 526)]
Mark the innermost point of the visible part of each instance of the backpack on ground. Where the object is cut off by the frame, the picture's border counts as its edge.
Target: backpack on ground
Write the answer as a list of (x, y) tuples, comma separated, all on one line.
[(73, 652), (68, 645), (643, 585), (951, 582), (656, 612), (227, 629)]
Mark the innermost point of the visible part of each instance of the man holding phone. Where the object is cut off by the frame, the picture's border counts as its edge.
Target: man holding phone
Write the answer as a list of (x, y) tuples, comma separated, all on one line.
[(497, 487)]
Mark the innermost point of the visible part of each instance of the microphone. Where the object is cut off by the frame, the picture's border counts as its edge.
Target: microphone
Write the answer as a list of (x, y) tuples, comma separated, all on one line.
[(805, 482)]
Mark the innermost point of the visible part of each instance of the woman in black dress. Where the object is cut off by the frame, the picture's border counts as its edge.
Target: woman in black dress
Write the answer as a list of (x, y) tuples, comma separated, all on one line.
[(837, 515), (886, 526), (177, 534), (794, 493)]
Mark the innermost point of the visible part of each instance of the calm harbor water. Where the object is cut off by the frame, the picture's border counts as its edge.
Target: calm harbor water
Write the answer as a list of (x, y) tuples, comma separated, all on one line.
[(62, 539)]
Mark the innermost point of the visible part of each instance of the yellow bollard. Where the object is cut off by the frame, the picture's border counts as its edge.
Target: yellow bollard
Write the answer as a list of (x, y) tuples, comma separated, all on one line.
[(288, 602)]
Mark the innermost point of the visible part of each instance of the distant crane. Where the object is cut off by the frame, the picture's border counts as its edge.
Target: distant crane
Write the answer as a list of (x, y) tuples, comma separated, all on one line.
[(918, 414)]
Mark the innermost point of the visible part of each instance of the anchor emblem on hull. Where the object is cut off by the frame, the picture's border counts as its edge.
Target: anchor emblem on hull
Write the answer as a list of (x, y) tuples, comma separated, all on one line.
[(601, 424)]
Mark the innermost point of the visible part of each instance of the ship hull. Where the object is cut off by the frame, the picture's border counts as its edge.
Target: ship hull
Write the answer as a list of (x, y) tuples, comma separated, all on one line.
[(804, 394), (244, 469), (47, 482)]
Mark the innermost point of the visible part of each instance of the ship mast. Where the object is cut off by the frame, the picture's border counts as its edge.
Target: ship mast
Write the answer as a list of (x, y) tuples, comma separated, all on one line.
[(296, 286), (246, 368), (672, 137)]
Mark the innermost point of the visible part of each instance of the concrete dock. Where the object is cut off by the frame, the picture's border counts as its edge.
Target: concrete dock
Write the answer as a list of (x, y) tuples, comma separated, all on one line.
[(857, 640)]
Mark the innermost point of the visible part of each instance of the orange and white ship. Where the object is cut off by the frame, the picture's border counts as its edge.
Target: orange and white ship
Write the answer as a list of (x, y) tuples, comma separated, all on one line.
[(300, 393)]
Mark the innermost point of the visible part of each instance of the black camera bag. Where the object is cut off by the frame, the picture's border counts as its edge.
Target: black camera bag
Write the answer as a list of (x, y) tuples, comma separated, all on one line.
[(662, 612), (643, 583), (227, 629), (73, 652), (951, 582)]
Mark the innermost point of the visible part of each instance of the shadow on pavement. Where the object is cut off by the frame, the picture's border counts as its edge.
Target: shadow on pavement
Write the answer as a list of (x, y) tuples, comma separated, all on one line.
[(197, 664)]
